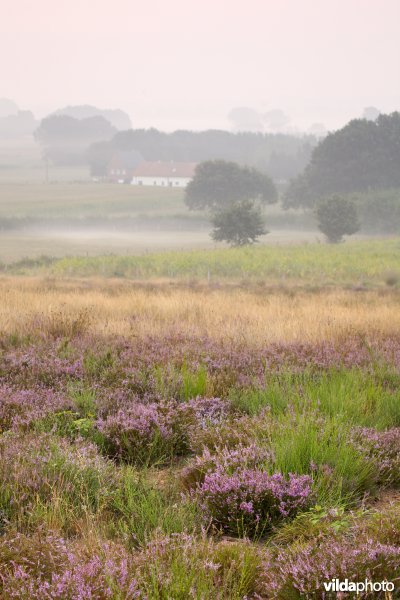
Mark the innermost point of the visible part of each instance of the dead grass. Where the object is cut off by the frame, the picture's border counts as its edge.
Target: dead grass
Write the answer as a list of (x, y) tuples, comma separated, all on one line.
[(256, 316)]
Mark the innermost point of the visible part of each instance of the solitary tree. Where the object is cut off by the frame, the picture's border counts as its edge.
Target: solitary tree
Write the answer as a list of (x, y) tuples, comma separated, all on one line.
[(239, 224), (218, 184), (337, 216)]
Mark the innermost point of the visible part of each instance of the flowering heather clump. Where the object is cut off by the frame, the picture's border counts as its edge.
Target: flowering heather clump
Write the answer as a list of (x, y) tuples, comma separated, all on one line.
[(40, 365), (231, 432), (382, 447), (209, 411), (45, 471), (56, 570), (225, 461), (149, 432), (41, 553), (250, 501), (142, 432), (21, 408), (304, 569)]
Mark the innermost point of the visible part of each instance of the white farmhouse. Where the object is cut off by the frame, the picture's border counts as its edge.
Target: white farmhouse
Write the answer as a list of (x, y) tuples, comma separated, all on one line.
[(167, 174)]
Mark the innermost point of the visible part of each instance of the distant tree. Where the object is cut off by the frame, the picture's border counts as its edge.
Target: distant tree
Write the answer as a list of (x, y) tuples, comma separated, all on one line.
[(239, 224), (98, 156), (118, 118), (276, 120), (364, 155), (371, 113), (219, 184), (8, 107), (247, 119), (337, 217), (379, 211), (19, 125), (65, 140)]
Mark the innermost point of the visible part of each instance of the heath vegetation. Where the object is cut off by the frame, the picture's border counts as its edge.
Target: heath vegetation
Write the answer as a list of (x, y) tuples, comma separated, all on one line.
[(183, 440)]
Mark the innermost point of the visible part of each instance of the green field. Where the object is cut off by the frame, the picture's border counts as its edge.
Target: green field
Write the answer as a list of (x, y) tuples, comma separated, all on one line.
[(84, 200), (354, 263)]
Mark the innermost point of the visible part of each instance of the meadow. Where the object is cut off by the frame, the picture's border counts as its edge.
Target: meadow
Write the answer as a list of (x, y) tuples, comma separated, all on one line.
[(356, 263), (73, 215), (184, 436)]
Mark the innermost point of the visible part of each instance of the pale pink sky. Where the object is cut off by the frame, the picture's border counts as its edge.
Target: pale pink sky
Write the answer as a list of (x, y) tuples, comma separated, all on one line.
[(178, 63)]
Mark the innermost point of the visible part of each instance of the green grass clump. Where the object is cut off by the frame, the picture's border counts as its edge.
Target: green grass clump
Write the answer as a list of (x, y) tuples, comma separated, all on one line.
[(309, 443), (180, 568), (143, 509), (352, 396)]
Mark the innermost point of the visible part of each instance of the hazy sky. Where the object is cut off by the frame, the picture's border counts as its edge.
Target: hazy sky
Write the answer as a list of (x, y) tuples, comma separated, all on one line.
[(184, 63)]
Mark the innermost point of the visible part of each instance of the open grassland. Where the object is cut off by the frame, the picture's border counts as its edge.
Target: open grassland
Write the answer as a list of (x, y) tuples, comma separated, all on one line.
[(167, 441), (353, 263), (72, 215), (86, 199), (253, 316)]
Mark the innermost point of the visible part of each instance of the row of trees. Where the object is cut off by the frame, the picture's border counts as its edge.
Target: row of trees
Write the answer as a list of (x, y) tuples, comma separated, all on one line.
[(234, 196), (78, 135)]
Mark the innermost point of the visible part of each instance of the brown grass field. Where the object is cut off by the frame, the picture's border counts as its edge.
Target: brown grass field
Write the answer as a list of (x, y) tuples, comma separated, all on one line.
[(250, 315)]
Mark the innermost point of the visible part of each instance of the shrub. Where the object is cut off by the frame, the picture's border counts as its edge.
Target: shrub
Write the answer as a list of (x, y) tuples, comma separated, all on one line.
[(143, 433), (224, 460), (300, 571), (147, 433), (250, 501), (49, 568), (238, 225), (337, 217), (383, 448), (20, 409)]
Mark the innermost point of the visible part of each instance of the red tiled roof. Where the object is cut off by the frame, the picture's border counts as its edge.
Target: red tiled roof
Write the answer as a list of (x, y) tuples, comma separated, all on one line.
[(165, 169)]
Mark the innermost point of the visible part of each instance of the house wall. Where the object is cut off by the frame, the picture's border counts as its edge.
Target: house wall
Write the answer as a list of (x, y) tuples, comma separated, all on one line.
[(119, 175), (161, 181)]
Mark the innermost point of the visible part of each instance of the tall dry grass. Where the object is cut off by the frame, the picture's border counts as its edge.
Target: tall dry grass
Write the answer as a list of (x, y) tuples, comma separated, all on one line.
[(254, 316)]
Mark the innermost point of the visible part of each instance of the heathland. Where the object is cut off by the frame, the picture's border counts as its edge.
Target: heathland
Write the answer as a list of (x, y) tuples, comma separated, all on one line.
[(209, 425)]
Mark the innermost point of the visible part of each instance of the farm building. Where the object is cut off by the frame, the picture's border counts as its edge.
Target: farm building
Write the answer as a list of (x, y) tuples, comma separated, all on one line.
[(122, 165), (168, 174)]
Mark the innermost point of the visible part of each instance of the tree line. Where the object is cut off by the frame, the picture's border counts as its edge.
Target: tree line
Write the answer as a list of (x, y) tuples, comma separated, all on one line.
[(67, 140)]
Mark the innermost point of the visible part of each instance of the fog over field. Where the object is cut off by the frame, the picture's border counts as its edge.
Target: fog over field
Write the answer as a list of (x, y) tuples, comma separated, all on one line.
[(175, 84)]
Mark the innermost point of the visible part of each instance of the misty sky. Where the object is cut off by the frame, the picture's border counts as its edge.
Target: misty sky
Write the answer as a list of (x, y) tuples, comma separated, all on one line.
[(185, 64)]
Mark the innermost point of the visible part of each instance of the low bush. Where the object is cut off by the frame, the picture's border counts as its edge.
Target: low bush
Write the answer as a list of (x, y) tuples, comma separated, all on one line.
[(54, 569), (382, 448), (300, 571), (249, 502)]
